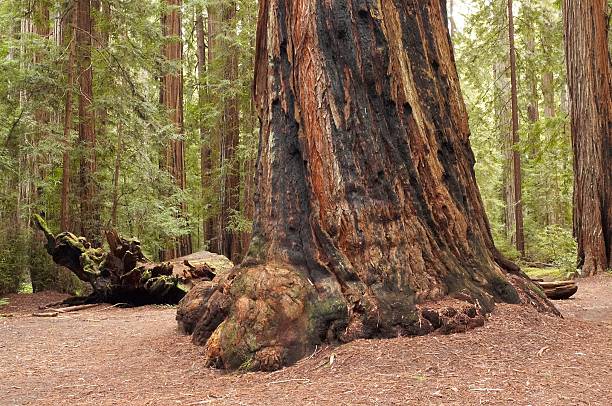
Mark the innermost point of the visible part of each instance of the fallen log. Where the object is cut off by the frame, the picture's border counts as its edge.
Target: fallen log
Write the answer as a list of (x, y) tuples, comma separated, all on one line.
[(123, 274), (560, 290), (63, 310), (45, 314)]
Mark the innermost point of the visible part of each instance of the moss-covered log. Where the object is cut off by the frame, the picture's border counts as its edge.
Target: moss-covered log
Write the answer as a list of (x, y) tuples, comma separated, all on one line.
[(123, 274)]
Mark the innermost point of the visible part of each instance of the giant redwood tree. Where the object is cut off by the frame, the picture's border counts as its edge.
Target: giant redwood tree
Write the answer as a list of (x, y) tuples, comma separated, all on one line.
[(590, 91), (368, 220)]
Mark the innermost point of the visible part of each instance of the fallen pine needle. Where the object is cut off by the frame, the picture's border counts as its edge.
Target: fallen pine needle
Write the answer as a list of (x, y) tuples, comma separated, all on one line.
[(302, 380), (54, 314), (486, 389)]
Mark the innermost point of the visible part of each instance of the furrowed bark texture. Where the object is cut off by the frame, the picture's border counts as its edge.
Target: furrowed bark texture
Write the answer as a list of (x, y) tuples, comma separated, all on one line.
[(172, 98), (590, 90), (368, 220)]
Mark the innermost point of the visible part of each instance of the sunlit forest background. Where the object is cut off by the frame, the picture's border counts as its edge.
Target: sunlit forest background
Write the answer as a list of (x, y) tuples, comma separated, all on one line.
[(133, 190)]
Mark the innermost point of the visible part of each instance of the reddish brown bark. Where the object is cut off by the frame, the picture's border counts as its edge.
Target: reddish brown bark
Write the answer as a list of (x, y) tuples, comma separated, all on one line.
[(172, 98), (519, 236), (88, 189), (215, 195), (206, 165), (230, 241), (68, 38), (590, 91), (368, 220)]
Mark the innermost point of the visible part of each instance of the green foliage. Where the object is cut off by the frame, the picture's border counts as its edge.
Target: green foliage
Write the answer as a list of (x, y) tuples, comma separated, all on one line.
[(133, 129), (545, 147), (552, 274), (555, 245), (13, 259)]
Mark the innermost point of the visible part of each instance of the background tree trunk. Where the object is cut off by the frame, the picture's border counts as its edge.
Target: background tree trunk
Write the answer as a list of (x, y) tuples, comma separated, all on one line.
[(451, 18), (590, 91), (68, 39), (172, 97), (206, 165), (214, 199), (503, 109), (230, 241), (516, 157), (367, 211), (88, 189)]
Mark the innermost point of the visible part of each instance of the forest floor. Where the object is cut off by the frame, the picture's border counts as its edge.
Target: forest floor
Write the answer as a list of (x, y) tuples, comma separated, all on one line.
[(111, 356)]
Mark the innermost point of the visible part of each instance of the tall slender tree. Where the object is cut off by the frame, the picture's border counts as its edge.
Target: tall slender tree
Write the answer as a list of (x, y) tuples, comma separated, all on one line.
[(206, 164), (230, 241), (172, 100), (516, 157), (589, 76), (68, 40), (213, 201), (88, 189)]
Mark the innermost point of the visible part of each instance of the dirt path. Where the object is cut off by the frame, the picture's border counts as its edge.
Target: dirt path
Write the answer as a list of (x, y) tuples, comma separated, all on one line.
[(593, 301), (109, 356)]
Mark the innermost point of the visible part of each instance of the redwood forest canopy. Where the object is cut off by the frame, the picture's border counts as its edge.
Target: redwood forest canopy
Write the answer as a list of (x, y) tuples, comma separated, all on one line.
[(341, 128)]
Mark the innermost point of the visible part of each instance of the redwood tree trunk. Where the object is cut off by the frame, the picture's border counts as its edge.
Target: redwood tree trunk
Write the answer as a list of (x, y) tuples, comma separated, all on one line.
[(88, 190), (172, 98), (230, 241), (367, 212), (503, 113), (68, 35), (516, 157), (214, 196), (590, 91), (205, 134)]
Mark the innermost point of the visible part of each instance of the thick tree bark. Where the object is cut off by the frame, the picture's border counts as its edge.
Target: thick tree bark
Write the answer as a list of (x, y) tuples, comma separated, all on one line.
[(368, 220), (590, 91), (172, 98), (88, 189), (519, 236), (230, 241)]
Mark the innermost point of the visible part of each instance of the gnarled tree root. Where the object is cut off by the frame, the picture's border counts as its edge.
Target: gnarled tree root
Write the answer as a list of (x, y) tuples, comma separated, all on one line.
[(267, 316)]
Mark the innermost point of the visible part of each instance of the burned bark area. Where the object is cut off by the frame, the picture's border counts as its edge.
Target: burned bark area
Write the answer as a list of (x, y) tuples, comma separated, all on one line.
[(402, 186), (368, 221)]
